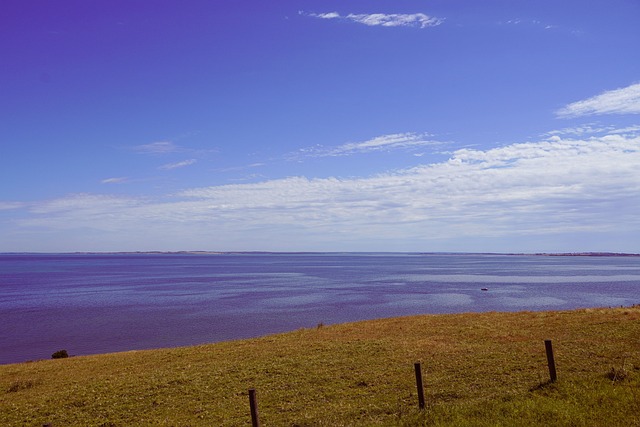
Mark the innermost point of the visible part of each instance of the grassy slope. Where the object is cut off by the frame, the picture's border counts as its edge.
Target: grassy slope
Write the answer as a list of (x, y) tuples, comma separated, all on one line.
[(479, 369)]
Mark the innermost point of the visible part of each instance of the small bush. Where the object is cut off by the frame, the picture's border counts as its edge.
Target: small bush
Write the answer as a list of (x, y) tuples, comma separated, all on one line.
[(60, 354), (617, 374), (20, 385)]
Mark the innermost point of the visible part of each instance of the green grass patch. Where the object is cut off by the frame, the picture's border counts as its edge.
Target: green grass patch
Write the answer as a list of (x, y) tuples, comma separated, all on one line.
[(480, 369)]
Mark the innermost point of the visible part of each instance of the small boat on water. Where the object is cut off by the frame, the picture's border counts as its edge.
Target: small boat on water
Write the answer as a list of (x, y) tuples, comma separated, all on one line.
[(484, 289)]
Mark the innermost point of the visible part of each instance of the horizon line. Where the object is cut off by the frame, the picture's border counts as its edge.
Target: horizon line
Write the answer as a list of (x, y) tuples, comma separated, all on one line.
[(203, 252)]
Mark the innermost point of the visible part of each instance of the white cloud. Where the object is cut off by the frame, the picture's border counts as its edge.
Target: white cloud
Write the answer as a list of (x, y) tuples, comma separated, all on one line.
[(619, 101), (533, 22), (160, 147), (5, 206), (241, 168), (387, 142), (115, 180), (586, 129), (630, 130), (177, 165), (85, 204), (382, 19), (546, 188), (592, 129), (397, 141)]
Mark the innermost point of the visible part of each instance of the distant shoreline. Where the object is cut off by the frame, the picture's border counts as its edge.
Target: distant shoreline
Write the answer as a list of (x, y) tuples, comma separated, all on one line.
[(558, 254), (595, 254)]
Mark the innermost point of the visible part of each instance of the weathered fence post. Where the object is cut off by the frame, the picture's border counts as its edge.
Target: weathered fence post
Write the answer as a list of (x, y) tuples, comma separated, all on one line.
[(253, 404), (550, 361), (418, 370)]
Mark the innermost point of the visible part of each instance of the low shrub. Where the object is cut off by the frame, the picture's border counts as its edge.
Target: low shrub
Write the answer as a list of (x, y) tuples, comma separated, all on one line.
[(20, 385), (60, 354)]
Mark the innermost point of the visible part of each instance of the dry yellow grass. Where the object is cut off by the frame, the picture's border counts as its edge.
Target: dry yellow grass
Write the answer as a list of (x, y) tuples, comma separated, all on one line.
[(479, 369)]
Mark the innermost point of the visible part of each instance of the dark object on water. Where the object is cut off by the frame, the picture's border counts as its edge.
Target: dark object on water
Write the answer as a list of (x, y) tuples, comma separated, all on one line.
[(484, 289), (60, 354)]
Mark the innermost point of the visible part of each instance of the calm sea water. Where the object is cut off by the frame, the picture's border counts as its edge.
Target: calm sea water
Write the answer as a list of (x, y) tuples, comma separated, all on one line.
[(105, 303)]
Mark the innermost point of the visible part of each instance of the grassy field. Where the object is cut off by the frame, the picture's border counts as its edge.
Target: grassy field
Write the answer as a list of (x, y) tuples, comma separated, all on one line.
[(483, 369)]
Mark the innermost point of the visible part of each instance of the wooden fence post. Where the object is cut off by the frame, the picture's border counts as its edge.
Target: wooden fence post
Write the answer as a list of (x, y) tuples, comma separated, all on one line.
[(550, 361), (418, 370), (253, 404)]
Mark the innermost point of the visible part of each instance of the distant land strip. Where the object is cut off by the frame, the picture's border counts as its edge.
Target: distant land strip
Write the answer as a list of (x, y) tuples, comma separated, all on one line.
[(593, 254), (568, 254)]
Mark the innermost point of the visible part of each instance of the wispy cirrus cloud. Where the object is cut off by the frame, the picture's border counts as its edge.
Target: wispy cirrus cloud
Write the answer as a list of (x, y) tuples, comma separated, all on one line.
[(159, 147), (177, 165), (241, 168), (396, 141), (585, 130), (115, 180), (625, 100), (419, 20), (388, 142), (593, 129), (5, 206), (530, 22), (629, 130)]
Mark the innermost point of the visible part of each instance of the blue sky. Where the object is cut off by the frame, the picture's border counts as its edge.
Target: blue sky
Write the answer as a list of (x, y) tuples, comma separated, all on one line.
[(501, 126)]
